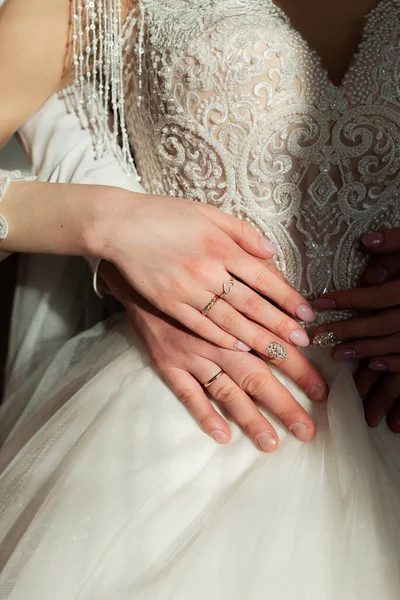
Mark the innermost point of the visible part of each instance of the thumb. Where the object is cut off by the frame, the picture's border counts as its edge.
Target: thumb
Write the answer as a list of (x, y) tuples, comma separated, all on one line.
[(242, 232)]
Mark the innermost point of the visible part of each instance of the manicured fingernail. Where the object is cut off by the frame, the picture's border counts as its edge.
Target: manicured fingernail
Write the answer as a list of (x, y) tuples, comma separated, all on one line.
[(220, 436), (373, 240), (325, 304), (276, 351), (266, 442), (318, 394), (324, 339), (376, 275), (378, 365), (301, 431), (345, 354), (239, 345), (268, 246), (305, 313), (299, 338)]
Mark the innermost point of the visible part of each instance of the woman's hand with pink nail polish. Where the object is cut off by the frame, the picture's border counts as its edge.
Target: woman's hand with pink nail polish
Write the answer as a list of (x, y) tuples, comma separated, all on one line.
[(186, 361)]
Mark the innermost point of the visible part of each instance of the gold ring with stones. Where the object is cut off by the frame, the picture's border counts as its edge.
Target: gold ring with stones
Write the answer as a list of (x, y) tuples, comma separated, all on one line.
[(217, 376), (276, 351)]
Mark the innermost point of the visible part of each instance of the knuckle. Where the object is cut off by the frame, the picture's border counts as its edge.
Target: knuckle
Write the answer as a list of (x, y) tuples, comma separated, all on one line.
[(201, 328), (187, 397), (281, 329), (253, 304), (227, 395), (260, 342), (256, 384), (228, 320), (246, 229), (262, 281)]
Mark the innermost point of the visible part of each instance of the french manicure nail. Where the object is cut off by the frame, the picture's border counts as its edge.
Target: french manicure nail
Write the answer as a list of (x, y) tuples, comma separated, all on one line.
[(376, 275), (299, 338), (268, 246), (305, 313), (266, 442), (220, 436), (345, 354), (378, 365), (301, 431), (373, 240), (318, 394), (239, 345), (325, 304), (324, 339)]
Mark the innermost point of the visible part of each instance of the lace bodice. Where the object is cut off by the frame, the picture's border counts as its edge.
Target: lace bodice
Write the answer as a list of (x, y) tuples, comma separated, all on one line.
[(236, 110)]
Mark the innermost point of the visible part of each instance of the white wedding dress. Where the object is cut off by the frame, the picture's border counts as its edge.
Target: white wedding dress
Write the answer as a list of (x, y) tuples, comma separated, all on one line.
[(109, 489)]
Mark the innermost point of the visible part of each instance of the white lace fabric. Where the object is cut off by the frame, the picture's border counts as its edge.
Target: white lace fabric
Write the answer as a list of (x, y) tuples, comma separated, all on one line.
[(225, 103)]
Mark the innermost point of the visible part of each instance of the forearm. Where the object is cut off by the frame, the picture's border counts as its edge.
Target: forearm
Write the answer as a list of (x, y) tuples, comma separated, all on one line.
[(52, 218)]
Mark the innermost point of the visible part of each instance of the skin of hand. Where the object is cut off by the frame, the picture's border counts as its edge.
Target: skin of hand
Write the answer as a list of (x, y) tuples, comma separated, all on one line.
[(178, 254), (375, 337), (184, 360)]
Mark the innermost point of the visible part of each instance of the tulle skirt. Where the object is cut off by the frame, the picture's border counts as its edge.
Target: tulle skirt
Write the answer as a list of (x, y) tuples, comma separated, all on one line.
[(109, 489)]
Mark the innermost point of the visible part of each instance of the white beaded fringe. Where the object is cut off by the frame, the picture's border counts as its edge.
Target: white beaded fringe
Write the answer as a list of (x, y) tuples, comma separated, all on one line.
[(97, 47)]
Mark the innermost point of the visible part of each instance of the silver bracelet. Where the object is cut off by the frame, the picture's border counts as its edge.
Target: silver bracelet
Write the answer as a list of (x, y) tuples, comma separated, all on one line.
[(7, 177)]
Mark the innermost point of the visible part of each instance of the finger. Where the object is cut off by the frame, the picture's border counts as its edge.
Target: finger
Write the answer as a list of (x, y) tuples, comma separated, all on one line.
[(389, 363), (394, 417), (367, 348), (191, 394), (381, 399), (250, 304), (260, 279), (379, 324), (206, 329), (256, 378), (258, 338), (375, 297), (242, 232), (382, 268), (365, 379), (386, 241), (238, 405)]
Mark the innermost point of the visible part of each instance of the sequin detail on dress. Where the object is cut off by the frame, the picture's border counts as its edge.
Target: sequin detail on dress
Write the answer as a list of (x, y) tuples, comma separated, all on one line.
[(226, 103)]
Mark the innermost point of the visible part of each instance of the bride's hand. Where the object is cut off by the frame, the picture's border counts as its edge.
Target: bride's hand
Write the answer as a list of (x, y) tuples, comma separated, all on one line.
[(375, 338), (185, 361), (179, 254)]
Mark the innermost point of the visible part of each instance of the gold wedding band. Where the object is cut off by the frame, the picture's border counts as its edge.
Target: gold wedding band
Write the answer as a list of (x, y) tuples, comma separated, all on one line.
[(217, 376), (227, 288)]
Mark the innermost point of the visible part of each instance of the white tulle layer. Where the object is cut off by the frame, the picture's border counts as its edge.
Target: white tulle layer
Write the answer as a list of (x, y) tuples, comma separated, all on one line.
[(111, 491)]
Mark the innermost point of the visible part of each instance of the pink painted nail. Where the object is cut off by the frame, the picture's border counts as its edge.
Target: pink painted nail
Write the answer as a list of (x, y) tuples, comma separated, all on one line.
[(301, 431), (325, 304), (373, 240), (266, 442), (378, 365), (220, 436), (239, 345), (268, 246), (305, 313), (345, 354), (376, 275), (299, 338)]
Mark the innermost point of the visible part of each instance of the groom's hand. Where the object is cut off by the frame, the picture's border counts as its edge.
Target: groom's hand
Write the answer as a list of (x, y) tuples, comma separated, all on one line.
[(374, 338), (186, 361)]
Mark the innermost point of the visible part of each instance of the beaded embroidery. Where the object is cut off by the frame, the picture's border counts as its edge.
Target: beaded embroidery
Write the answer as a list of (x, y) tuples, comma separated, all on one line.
[(226, 103)]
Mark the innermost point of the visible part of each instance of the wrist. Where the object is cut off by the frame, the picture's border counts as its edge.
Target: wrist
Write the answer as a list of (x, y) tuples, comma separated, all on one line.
[(113, 207)]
